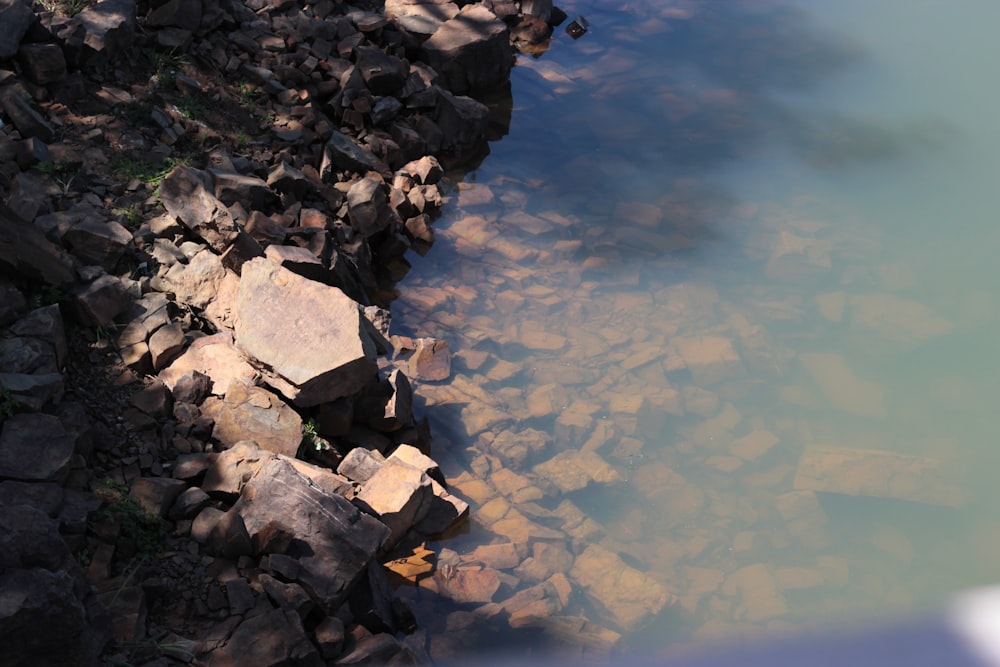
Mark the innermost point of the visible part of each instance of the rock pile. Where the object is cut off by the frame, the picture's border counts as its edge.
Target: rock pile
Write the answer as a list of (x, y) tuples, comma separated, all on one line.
[(235, 507)]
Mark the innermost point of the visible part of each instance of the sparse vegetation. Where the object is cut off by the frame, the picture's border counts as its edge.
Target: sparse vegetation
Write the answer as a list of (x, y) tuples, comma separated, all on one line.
[(139, 532), (149, 173), (8, 406)]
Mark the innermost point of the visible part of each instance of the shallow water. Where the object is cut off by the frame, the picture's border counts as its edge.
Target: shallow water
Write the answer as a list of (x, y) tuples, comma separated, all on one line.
[(719, 236)]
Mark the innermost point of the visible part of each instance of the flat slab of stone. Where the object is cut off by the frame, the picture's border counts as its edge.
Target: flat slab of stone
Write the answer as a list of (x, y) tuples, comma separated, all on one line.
[(879, 474), (308, 337), (35, 447), (254, 413), (622, 593), (573, 470)]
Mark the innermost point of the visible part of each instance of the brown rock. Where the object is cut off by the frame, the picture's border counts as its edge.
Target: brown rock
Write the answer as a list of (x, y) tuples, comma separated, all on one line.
[(623, 594), (213, 356), (156, 495), (308, 337), (431, 360), (254, 413), (42, 63), (471, 50), (268, 640), (399, 495), (34, 447), (573, 470), (185, 193)]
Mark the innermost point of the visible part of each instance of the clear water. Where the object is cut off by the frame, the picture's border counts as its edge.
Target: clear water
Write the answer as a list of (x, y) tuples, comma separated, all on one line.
[(811, 183)]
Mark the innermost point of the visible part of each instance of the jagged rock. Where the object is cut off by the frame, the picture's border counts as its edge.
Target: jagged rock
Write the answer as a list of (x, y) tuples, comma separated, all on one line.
[(379, 649), (431, 360), (268, 640), (300, 261), (264, 229), (360, 464), (461, 120), (188, 504), (35, 390), (382, 73), (45, 323), (368, 205), (622, 593), (42, 63), (35, 447), (399, 495), (165, 344), (471, 51), (289, 180), (329, 635), (342, 152), (572, 470), (309, 337), (254, 413), (387, 406), (49, 616), (250, 191), (332, 541), (108, 28), (184, 14), (185, 193), (541, 9), (15, 19), (215, 356), (197, 282), (28, 122)]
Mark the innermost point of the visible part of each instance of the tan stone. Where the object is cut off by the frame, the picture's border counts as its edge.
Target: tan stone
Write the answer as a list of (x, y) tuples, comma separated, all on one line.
[(468, 583), (545, 400), (254, 413), (846, 391), (572, 470), (502, 556), (708, 358), (881, 474), (901, 321), (311, 339), (622, 594), (758, 593), (754, 445)]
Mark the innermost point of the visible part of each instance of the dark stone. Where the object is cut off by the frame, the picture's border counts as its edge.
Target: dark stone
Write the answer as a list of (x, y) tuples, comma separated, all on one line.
[(35, 447)]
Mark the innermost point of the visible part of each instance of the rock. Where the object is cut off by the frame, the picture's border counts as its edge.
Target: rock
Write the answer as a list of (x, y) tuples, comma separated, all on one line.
[(25, 251), (270, 639), (186, 196), (880, 474), (431, 360), (45, 323), (387, 406), (185, 14), (156, 495), (28, 122), (379, 649), (188, 504), (462, 122), (101, 301), (343, 153), (329, 636), (34, 391), (229, 537), (250, 191), (845, 390), (399, 495), (265, 230), (708, 358), (360, 464), (254, 413), (108, 28), (166, 344), (332, 541), (471, 50), (571, 470), (466, 583), (759, 598), (213, 356), (198, 282), (287, 596), (42, 63), (626, 596), (309, 337), (288, 180), (15, 19), (382, 73), (367, 205), (35, 447)]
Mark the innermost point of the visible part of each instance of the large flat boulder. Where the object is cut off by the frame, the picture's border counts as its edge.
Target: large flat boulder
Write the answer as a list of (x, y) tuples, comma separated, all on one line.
[(309, 339), (471, 50)]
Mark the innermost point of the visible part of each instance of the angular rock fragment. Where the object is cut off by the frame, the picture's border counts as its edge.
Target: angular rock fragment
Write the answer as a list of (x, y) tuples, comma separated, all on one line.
[(186, 193), (573, 470), (880, 474), (34, 447), (399, 495), (471, 50), (626, 596), (308, 337), (254, 413)]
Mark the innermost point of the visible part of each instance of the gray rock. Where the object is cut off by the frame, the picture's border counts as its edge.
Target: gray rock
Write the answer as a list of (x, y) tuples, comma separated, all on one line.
[(16, 17), (360, 464), (188, 504), (471, 51), (250, 191), (185, 193), (268, 640), (343, 153), (156, 495), (462, 122), (289, 180), (45, 323), (331, 539), (108, 28), (35, 447), (98, 241), (382, 73), (288, 596), (27, 355), (42, 63), (197, 282), (368, 205), (184, 14), (99, 302), (28, 122), (34, 391), (308, 338)]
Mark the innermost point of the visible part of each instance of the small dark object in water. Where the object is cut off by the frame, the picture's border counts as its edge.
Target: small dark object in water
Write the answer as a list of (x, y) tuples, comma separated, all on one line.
[(577, 27)]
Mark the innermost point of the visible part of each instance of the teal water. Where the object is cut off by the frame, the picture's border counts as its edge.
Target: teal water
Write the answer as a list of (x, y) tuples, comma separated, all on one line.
[(812, 188)]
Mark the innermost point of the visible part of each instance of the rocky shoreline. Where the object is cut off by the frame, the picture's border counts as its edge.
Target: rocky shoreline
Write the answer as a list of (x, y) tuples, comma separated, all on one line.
[(208, 443)]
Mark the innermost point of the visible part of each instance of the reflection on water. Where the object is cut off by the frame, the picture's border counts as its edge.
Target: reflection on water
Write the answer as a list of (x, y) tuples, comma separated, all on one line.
[(720, 306)]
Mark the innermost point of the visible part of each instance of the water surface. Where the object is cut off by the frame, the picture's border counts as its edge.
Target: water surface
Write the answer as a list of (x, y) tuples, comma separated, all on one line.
[(718, 238)]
